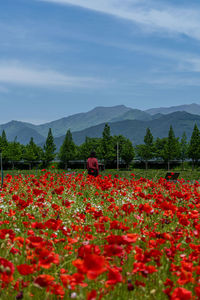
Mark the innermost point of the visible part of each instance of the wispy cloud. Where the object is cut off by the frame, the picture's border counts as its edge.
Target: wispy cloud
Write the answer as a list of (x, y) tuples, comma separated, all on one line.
[(175, 60), (154, 15), (18, 74), (171, 81), (192, 64)]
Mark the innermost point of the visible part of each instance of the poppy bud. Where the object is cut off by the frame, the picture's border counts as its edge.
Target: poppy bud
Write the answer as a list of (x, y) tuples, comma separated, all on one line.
[(19, 295), (1, 268), (7, 270), (130, 286)]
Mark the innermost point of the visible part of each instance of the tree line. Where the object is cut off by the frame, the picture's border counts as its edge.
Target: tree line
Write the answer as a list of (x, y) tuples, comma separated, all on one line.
[(168, 149), (31, 153)]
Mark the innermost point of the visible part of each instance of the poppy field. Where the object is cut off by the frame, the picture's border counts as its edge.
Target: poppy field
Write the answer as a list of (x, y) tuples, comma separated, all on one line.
[(73, 236)]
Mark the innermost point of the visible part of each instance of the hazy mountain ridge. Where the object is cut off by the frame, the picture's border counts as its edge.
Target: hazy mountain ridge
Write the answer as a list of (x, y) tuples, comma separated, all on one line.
[(190, 108), (133, 114), (136, 129), (81, 121), (92, 122), (22, 131), (59, 127)]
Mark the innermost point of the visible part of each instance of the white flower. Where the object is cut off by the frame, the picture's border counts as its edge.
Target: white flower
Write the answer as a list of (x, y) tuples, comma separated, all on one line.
[(73, 295)]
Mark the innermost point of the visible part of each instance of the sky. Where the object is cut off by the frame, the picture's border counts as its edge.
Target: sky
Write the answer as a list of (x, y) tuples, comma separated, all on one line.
[(61, 57)]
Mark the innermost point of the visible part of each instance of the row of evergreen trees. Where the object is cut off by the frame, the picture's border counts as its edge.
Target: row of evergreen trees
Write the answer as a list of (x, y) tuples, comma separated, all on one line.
[(14, 151), (106, 147), (170, 148), (31, 153)]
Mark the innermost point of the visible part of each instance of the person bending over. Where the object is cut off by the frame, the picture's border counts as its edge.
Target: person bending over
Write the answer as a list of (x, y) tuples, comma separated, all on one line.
[(92, 165)]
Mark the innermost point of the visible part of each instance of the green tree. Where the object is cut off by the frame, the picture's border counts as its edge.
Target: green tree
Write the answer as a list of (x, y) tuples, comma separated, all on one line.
[(4, 138), (67, 150), (183, 149), (141, 152), (172, 148), (127, 152), (148, 138), (14, 152), (90, 144), (4, 146), (146, 151), (159, 146), (194, 146), (49, 149), (118, 142), (32, 152), (107, 149)]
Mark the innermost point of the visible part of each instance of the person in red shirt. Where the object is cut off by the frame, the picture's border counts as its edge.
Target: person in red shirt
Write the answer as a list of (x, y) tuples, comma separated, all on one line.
[(92, 165)]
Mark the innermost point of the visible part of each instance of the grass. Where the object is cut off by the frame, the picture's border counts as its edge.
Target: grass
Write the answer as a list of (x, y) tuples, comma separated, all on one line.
[(155, 174)]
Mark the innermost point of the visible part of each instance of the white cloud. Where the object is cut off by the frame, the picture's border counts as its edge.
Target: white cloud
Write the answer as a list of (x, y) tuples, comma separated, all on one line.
[(152, 15), (15, 73)]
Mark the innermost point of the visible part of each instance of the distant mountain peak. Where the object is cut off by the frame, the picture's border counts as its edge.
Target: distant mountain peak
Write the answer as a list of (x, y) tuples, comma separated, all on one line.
[(121, 106), (186, 115), (193, 108)]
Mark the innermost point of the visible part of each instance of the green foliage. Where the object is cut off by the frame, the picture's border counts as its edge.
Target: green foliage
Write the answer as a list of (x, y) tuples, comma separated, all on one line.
[(67, 150), (4, 140), (148, 138), (107, 149), (146, 151), (127, 152), (159, 146), (32, 152), (49, 149), (120, 140), (172, 147), (90, 144), (4, 146), (142, 152), (194, 145), (125, 148), (183, 147), (14, 152)]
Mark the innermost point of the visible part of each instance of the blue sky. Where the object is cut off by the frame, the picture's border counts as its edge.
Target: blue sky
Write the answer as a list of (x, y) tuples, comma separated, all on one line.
[(60, 57)]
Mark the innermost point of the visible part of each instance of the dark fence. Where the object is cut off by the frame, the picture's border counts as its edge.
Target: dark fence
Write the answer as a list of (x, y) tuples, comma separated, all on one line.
[(81, 164)]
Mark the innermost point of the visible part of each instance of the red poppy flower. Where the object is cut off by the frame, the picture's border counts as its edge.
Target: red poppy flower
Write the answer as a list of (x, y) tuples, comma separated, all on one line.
[(7, 233), (25, 269), (92, 295), (113, 250), (93, 265), (53, 224), (59, 191), (44, 280), (181, 294), (56, 289), (6, 270), (114, 276)]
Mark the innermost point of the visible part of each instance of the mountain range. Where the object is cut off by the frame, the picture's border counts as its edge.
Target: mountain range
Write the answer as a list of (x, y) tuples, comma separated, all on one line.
[(190, 108), (127, 121)]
